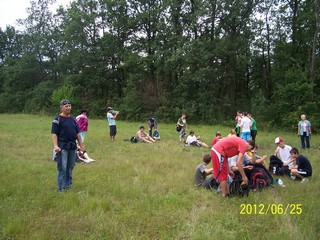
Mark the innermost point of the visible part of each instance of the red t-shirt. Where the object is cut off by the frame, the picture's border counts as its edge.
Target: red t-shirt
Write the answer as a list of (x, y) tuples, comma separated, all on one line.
[(231, 146), (215, 140)]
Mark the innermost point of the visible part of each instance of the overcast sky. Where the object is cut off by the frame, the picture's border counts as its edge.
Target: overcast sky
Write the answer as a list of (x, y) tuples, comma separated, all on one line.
[(11, 10)]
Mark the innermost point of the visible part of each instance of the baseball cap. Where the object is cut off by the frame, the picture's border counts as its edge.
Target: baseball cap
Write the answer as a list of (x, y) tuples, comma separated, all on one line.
[(278, 140), (109, 108), (64, 102)]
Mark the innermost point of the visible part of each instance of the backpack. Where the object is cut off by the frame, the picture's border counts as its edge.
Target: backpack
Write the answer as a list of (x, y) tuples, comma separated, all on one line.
[(133, 139), (156, 135), (257, 181), (238, 189), (178, 128)]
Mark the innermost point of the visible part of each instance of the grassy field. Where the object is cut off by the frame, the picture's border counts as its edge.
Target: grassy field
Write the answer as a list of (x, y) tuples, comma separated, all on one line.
[(141, 191)]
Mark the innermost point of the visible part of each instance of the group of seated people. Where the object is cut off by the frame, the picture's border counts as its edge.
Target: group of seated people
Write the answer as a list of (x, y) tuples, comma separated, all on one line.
[(285, 161)]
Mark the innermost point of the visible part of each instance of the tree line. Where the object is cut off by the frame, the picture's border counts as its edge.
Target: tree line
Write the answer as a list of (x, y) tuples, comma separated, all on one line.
[(207, 58)]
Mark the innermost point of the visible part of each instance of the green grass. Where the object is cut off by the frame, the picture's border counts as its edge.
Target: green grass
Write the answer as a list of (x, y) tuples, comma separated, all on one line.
[(138, 191)]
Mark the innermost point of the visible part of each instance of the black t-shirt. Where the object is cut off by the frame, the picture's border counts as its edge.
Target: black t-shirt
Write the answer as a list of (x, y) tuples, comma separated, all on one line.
[(304, 163)]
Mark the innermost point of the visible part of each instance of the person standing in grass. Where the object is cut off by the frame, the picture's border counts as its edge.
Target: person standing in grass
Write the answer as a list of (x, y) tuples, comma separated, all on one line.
[(304, 131), (245, 126), (82, 121), (238, 122), (182, 125), (224, 149), (303, 168), (111, 116), (254, 129), (65, 132), (152, 123)]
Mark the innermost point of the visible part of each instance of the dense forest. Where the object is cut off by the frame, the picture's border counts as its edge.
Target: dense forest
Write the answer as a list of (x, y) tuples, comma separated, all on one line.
[(207, 58)]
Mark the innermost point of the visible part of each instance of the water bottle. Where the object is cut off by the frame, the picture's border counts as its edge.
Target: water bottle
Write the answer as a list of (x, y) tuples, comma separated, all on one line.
[(280, 183)]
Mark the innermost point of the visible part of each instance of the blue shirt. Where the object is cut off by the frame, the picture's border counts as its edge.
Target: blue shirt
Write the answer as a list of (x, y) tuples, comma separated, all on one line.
[(66, 129)]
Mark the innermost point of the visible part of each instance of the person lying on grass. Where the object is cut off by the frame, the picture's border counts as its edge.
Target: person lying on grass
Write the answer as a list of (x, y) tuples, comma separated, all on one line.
[(192, 140), (303, 168), (82, 156), (144, 137)]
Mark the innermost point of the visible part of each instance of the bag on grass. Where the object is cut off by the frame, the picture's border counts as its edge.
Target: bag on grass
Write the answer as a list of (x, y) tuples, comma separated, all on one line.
[(238, 189), (133, 139)]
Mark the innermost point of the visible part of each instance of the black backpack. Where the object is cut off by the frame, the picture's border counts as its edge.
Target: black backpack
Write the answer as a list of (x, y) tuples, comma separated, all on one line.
[(238, 189), (133, 139), (260, 177)]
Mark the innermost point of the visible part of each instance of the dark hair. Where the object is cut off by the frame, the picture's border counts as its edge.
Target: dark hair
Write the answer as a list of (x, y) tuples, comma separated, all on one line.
[(294, 150), (245, 113), (252, 143), (207, 158), (191, 132), (83, 111), (218, 134)]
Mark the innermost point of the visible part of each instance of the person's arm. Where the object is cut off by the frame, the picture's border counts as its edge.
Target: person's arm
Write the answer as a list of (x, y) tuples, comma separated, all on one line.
[(115, 116), (309, 128), (208, 171), (80, 142), (299, 129), (240, 168), (55, 142)]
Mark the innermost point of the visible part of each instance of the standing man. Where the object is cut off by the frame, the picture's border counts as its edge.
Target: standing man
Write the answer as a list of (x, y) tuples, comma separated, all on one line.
[(245, 126), (224, 149), (304, 131), (82, 121), (152, 123), (182, 125), (65, 132), (254, 129), (111, 116)]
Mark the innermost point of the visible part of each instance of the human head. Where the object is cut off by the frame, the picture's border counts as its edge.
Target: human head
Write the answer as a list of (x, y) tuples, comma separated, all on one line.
[(218, 134), (109, 109), (232, 131), (65, 106), (250, 115), (279, 142), (191, 132), (141, 128), (294, 151), (239, 113), (303, 117), (207, 158), (245, 113), (83, 111), (184, 115), (251, 145)]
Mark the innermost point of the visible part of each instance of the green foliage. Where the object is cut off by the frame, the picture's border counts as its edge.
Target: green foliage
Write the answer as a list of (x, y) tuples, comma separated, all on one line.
[(65, 92)]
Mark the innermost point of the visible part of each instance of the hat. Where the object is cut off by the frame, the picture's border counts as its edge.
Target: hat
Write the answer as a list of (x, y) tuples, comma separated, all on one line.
[(64, 102), (141, 127), (278, 140), (109, 108)]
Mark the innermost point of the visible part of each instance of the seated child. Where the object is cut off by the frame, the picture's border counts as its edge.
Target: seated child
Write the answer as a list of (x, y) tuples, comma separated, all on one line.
[(192, 140), (82, 156), (144, 137), (303, 168), (216, 139), (232, 133), (201, 173)]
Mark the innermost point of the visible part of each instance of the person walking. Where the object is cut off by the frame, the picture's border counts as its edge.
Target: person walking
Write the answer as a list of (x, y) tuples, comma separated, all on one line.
[(65, 132), (304, 131)]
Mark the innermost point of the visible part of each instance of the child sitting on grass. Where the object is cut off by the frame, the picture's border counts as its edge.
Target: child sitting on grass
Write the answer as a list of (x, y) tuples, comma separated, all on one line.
[(201, 173), (303, 168)]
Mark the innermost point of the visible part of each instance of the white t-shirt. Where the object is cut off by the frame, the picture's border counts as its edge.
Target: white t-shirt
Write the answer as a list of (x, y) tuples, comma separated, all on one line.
[(191, 139), (245, 124), (285, 154)]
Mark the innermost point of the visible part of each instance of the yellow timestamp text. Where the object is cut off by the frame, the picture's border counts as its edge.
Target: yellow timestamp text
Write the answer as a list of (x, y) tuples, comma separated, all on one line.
[(271, 208)]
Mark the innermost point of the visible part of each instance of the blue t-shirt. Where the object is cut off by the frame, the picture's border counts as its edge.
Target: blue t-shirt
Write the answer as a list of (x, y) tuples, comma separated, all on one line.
[(66, 128)]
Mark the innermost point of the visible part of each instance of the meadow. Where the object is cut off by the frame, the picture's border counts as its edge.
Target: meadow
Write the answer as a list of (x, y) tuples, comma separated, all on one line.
[(142, 191)]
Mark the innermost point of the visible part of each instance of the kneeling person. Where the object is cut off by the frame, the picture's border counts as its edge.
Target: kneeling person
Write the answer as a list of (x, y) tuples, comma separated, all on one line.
[(303, 168), (144, 137)]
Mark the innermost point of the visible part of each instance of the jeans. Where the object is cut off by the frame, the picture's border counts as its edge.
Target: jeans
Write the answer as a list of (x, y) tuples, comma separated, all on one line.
[(82, 135), (65, 164), (150, 130), (305, 140)]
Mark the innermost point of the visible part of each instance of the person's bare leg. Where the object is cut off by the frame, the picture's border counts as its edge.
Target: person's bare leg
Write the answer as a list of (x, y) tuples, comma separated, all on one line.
[(224, 188)]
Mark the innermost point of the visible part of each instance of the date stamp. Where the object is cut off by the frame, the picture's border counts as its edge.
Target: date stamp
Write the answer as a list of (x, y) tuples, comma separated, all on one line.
[(271, 208)]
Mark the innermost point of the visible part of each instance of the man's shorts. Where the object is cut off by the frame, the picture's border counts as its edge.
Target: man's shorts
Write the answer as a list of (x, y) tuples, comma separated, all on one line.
[(304, 173), (219, 174), (113, 130)]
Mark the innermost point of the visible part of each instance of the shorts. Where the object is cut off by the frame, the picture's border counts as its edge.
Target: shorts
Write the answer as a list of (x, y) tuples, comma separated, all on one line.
[(113, 130), (304, 173), (246, 136), (219, 174)]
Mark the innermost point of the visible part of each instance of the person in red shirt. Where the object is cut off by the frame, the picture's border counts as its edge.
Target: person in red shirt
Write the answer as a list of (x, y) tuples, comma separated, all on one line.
[(224, 149), (216, 139)]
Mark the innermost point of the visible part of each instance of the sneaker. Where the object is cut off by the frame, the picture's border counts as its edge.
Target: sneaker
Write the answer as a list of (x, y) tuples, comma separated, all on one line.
[(293, 177), (304, 180)]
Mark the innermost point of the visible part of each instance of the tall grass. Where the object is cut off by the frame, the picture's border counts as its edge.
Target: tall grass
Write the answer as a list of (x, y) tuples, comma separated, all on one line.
[(138, 191)]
